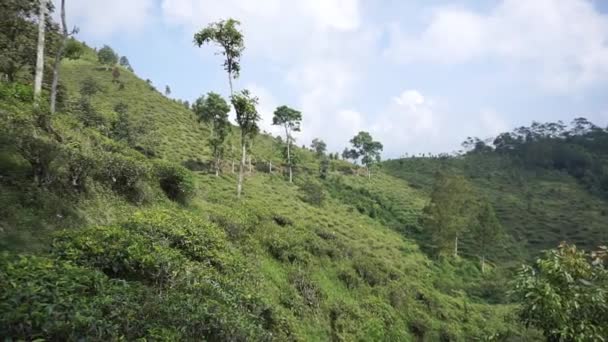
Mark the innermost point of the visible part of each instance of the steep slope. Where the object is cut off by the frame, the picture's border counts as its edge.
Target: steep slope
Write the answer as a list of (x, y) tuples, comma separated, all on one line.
[(539, 208), (113, 254)]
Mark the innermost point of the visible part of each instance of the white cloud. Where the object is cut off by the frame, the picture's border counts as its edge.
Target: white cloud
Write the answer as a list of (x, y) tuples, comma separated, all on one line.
[(316, 46), (108, 17), (564, 43)]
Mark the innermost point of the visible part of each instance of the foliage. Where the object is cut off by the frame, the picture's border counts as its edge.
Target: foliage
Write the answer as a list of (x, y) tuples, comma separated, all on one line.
[(486, 231), (18, 36), (313, 193), (247, 115), (126, 175), (564, 295), (319, 146), (366, 148), (107, 56), (225, 34), (176, 181), (448, 213), (213, 109), (73, 49), (290, 119), (89, 87)]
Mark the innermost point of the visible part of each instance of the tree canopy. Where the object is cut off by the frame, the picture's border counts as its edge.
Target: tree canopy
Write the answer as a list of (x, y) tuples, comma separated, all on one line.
[(107, 56), (225, 34)]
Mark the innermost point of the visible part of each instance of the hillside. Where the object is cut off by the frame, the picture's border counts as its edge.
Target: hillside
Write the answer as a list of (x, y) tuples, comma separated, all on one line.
[(538, 207), (315, 260)]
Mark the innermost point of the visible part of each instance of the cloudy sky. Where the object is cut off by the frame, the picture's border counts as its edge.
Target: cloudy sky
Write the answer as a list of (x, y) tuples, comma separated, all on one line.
[(420, 76)]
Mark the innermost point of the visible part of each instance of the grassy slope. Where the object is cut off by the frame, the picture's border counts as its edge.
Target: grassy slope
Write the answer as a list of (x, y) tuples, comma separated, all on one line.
[(538, 208), (362, 279)]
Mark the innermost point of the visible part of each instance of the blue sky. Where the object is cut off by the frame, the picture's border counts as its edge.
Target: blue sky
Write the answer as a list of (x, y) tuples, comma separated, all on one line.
[(420, 76)]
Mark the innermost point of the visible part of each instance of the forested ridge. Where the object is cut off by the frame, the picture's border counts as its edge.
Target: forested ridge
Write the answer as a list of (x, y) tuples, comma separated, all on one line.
[(131, 215)]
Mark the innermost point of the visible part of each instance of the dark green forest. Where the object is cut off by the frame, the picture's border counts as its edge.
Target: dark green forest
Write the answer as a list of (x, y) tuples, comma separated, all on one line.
[(130, 215)]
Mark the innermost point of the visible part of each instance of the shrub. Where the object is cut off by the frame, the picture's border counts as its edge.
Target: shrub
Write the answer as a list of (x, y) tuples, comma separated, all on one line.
[(16, 91), (313, 193), (195, 238), (45, 299), (120, 253), (373, 273), (52, 300), (310, 292), (125, 175), (176, 181)]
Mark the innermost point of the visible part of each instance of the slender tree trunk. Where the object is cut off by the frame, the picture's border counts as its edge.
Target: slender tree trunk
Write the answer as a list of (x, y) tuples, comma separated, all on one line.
[(230, 78), (456, 247), (232, 165), (250, 168), (217, 167), (369, 174), (288, 138), (40, 53), (64, 38), (239, 186), (483, 264), (270, 166)]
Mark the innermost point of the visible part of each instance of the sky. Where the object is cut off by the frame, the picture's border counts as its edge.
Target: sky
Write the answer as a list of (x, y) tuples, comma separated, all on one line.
[(420, 76)]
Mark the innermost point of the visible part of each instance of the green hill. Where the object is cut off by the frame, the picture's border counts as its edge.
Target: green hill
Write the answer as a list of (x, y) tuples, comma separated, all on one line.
[(108, 236)]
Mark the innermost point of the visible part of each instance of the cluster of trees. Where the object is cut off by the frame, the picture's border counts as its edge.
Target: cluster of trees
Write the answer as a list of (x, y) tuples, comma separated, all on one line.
[(27, 35), (579, 149), (455, 210), (213, 110)]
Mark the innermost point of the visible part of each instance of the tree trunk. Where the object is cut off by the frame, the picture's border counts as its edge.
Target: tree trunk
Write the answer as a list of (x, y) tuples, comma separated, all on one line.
[(239, 186), (250, 168), (456, 247), (230, 78), (40, 53), (270, 166), (483, 264), (64, 38), (217, 167), (288, 138), (232, 165), (369, 174)]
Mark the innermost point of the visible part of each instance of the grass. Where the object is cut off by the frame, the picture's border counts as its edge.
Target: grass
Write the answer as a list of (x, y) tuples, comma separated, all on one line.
[(351, 268)]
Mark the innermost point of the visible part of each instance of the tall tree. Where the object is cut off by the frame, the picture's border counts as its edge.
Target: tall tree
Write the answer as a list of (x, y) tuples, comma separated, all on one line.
[(213, 110), (485, 231), (319, 146), (366, 148), (167, 90), (59, 54), (247, 118), (40, 49), (290, 120), (448, 214), (225, 34)]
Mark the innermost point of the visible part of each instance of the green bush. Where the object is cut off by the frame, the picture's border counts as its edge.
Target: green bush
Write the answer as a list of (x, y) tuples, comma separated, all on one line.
[(308, 289), (120, 253), (176, 181), (50, 300), (126, 175), (313, 193), (45, 299), (195, 238), (16, 91)]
